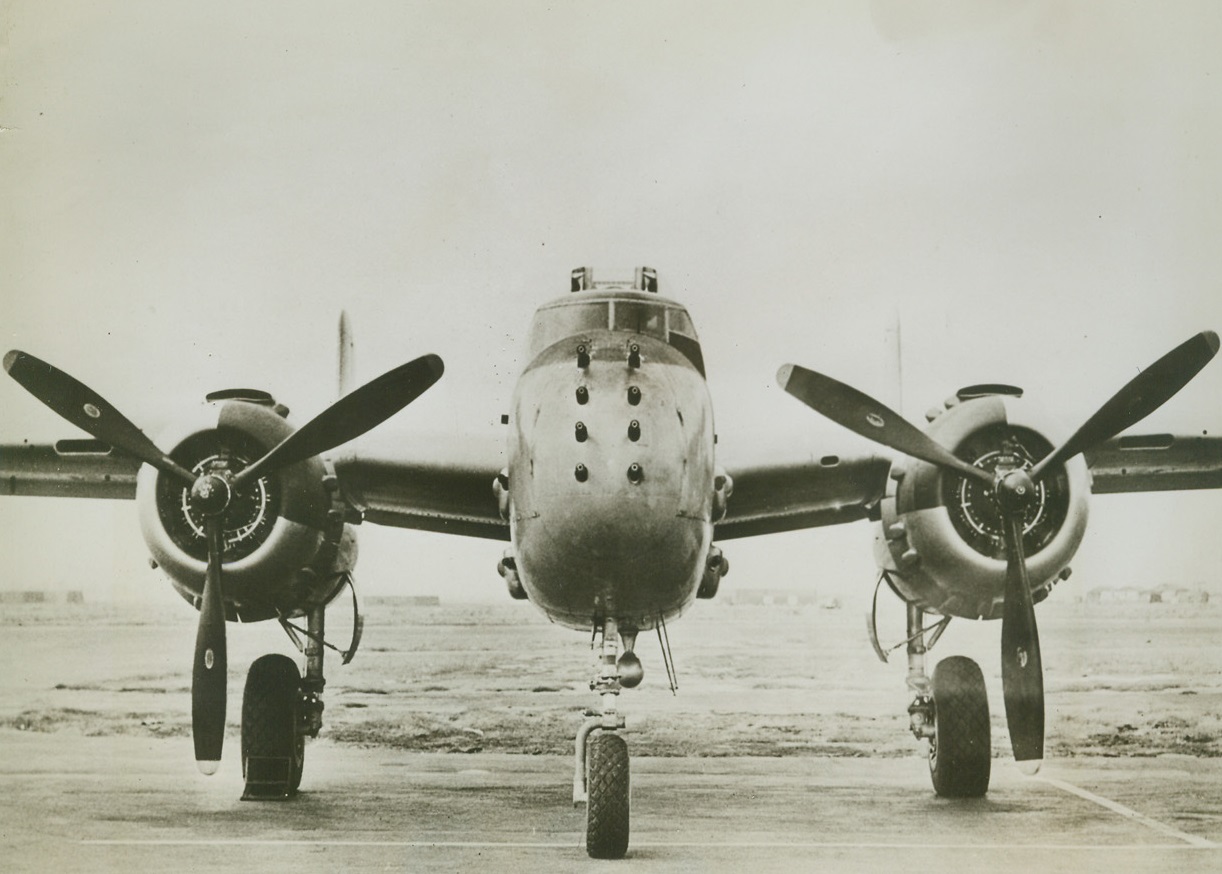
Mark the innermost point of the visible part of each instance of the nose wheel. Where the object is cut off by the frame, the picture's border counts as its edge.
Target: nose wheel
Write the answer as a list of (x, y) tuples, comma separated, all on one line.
[(600, 778), (607, 810)]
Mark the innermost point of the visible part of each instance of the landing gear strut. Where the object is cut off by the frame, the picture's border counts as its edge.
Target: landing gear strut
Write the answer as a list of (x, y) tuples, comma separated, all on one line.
[(951, 713), (600, 777)]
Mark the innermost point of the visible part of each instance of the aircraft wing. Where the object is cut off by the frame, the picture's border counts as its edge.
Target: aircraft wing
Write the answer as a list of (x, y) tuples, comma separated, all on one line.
[(434, 484), (810, 491), (406, 481), (1156, 463), (67, 469), (426, 482), (801, 490)]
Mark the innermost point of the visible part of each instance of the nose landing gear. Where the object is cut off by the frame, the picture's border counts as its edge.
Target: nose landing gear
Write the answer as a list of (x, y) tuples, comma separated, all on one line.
[(600, 776)]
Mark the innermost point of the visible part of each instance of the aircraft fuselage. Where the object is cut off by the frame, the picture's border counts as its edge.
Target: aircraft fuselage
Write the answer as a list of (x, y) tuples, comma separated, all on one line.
[(611, 471)]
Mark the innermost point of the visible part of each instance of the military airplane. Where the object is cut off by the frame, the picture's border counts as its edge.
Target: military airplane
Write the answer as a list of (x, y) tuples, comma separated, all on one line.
[(611, 502)]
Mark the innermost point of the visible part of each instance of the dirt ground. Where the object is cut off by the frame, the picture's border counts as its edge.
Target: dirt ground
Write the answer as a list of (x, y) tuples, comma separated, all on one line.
[(1122, 680)]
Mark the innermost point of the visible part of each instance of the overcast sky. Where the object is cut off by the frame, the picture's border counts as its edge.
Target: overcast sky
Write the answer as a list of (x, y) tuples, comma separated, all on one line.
[(192, 192)]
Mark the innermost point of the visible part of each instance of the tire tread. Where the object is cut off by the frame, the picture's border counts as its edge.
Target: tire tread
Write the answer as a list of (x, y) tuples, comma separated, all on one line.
[(961, 763), (607, 792), (269, 714)]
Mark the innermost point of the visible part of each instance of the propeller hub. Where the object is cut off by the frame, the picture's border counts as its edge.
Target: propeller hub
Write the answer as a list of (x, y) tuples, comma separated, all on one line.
[(210, 494), (1015, 491)]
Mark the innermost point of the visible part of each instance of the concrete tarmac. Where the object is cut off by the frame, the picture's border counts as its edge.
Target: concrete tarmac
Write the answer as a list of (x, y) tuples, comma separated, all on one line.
[(73, 803)]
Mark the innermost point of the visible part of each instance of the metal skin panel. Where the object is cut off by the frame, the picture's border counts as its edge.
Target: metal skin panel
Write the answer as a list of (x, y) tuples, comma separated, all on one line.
[(608, 546), (801, 490), (67, 469), (301, 553), (431, 482), (930, 563), (1156, 463)]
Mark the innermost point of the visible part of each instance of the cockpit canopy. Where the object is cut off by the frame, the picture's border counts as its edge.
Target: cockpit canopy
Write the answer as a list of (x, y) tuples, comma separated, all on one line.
[(616, 308)]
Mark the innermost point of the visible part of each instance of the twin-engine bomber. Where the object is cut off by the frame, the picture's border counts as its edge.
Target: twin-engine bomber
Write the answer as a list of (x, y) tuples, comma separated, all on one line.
[(612, 502)]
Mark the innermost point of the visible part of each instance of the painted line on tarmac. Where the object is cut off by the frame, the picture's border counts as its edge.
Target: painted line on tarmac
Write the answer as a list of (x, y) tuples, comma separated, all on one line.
[(644, 844), (1128, 812)]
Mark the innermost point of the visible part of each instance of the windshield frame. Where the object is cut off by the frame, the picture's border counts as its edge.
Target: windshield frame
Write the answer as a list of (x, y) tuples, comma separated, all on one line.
[(609, 312)]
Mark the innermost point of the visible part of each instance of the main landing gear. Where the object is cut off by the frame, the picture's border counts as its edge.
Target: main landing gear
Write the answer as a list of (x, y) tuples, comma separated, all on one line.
[(951, 712), (273, 746), (281, 708), (600, 777)]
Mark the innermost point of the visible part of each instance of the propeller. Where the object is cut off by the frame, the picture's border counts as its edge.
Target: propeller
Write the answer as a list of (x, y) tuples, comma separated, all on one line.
[(1021, 665), (209, 671), (854, 410), (212, 492), (1140, 397), (350, 416), (88, 410)]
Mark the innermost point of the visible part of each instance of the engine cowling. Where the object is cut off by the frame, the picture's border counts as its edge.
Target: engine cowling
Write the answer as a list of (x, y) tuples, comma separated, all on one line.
[(940, 534), (286, 545)]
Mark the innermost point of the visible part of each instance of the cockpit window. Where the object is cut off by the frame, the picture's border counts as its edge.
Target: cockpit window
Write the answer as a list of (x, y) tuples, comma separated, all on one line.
[(553, 324), (683, 337), (640, 318), (681, 323), (668, 323)]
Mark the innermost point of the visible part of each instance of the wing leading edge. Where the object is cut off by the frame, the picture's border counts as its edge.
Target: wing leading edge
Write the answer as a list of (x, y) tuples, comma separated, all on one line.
[(1156, 463), (67, 469), (802, 492), (426, 482)]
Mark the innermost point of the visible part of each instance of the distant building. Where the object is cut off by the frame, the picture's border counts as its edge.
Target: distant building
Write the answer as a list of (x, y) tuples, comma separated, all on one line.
[(405, 600), (1181, 595), (1134, 595), (771, 597), (42, 596)]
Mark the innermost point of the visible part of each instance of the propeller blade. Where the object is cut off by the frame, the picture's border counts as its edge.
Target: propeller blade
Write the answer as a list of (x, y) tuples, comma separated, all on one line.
[(209, 674), (88, 410), (1022, 670), (1144, 394), (868, 418), (350, 416)]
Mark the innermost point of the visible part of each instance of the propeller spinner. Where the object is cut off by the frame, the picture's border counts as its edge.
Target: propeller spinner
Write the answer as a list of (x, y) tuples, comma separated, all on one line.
[(213, 491), (1021, 665)]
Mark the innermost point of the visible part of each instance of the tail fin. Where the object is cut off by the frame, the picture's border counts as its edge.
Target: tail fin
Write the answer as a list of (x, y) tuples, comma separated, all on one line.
[(894, 358), (347, 355)]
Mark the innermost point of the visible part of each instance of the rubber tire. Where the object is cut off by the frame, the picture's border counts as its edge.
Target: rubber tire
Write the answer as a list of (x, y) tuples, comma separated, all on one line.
[(607, 806), (271, 713), (960, 754)]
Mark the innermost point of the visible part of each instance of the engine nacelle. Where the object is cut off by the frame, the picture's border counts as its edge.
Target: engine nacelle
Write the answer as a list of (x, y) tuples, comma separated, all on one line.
[(286, 545), (940, 534)]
